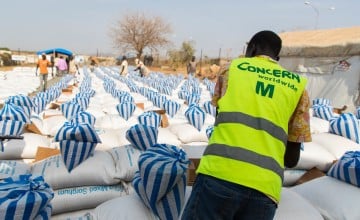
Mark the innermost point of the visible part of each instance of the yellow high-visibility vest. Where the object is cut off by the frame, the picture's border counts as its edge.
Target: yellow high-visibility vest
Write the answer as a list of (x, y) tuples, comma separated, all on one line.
[(248, 143)]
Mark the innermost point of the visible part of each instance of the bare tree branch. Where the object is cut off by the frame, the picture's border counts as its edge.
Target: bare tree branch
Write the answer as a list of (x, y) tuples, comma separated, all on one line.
[(138, 32)]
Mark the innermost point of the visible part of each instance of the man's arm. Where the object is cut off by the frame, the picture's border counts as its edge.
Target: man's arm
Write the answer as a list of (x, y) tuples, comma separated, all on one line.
[(292, 154), (299, 131)]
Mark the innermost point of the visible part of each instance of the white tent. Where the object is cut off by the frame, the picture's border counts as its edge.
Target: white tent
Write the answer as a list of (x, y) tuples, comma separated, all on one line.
[(330, 59)]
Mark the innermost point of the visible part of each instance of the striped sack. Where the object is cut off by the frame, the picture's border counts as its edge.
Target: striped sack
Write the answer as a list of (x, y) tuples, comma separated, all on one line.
[(321, 101), (346, 125), (126, 109), (24, 197), (77, 143), (196, 117), (13, 112), (74, 153), (347, 168), (193, 98), (323, 111), (142, 137), (10, 127), (82, 101), (161, 180), (171, 107), (84, 117), (209, 108), (23, 102), (39, 104), (70, 109), (150, 119), (209, 131), (358, 113)]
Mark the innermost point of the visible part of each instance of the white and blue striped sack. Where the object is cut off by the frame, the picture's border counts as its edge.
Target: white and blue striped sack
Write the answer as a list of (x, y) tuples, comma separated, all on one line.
[(70, 109), (83, 132), (196, 117), (23, 102), (126, 109), (209, 108), (171, 107), (347, 168), (39, 104), (346, 125), (10, 127), (161, 180), (323, 111), (82, 101), (13, 112), (150, 119), (142, 137), (182, 94), (126, 98), (193, 98), (84, 117), (77, 143), (209, 131), (159, 101), (358, 113), (24, 197), (74, 153), (321, 101)]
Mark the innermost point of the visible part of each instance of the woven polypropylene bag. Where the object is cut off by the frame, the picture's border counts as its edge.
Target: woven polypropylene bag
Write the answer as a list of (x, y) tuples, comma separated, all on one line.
[(150, 119), (196, 117), (142, 137), (346, 125), (126, 109), (24, 197), (161, 180), (347, 168)]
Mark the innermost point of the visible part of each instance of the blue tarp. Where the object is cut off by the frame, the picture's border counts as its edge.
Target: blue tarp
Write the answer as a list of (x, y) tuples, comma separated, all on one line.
[(56, 50)]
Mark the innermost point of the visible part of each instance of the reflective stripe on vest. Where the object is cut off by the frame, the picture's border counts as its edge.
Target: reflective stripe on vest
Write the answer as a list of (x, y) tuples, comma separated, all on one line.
[(244, 155), (256, 123)]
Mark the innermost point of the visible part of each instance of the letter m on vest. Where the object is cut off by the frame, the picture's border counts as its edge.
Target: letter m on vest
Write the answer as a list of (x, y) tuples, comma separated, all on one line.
[(263, 90)]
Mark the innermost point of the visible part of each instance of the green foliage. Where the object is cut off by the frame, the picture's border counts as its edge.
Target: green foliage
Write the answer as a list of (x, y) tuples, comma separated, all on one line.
[(182, 55), (4, 48), (6, 58)]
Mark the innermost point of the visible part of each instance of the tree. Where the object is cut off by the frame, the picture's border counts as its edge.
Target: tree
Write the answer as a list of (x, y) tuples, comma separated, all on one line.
[(136, 32), (183, 55)]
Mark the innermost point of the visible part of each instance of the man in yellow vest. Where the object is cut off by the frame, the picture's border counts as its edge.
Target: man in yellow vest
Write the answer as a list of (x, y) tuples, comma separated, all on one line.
[(262, 119)]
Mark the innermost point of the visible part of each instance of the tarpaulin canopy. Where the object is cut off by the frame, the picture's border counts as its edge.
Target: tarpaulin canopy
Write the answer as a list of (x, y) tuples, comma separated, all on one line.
[(56, 50)]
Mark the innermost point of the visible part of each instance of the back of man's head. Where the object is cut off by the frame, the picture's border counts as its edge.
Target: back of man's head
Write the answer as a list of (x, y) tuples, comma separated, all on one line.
[(264, 43)]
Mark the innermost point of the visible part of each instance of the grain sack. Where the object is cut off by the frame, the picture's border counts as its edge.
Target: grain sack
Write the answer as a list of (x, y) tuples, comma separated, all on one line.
[(187, 133), (84, 214), (23, 148), (87, 197), (11, 168), (347, 168), (126, 161), (56, 174), (24, 197)]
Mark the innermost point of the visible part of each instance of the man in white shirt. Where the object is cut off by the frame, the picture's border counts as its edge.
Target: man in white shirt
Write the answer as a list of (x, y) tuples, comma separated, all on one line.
[(124, 66)]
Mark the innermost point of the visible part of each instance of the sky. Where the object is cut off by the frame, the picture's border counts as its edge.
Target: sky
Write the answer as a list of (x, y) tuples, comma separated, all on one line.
[(216, 27)]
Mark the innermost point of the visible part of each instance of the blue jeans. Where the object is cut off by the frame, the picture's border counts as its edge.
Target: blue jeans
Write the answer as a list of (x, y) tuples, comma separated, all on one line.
[(212, 198)]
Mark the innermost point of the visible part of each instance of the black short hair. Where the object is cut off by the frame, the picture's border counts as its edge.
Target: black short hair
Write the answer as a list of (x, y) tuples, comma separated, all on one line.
[(267, 41)]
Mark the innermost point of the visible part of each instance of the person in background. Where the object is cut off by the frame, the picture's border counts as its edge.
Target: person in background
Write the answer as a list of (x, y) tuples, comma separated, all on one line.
[(56, 60), (258, 131), (52, 62), (73, 68), (124, 66), (144, 71), (191, 67), (43, 65), (62, 66)]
